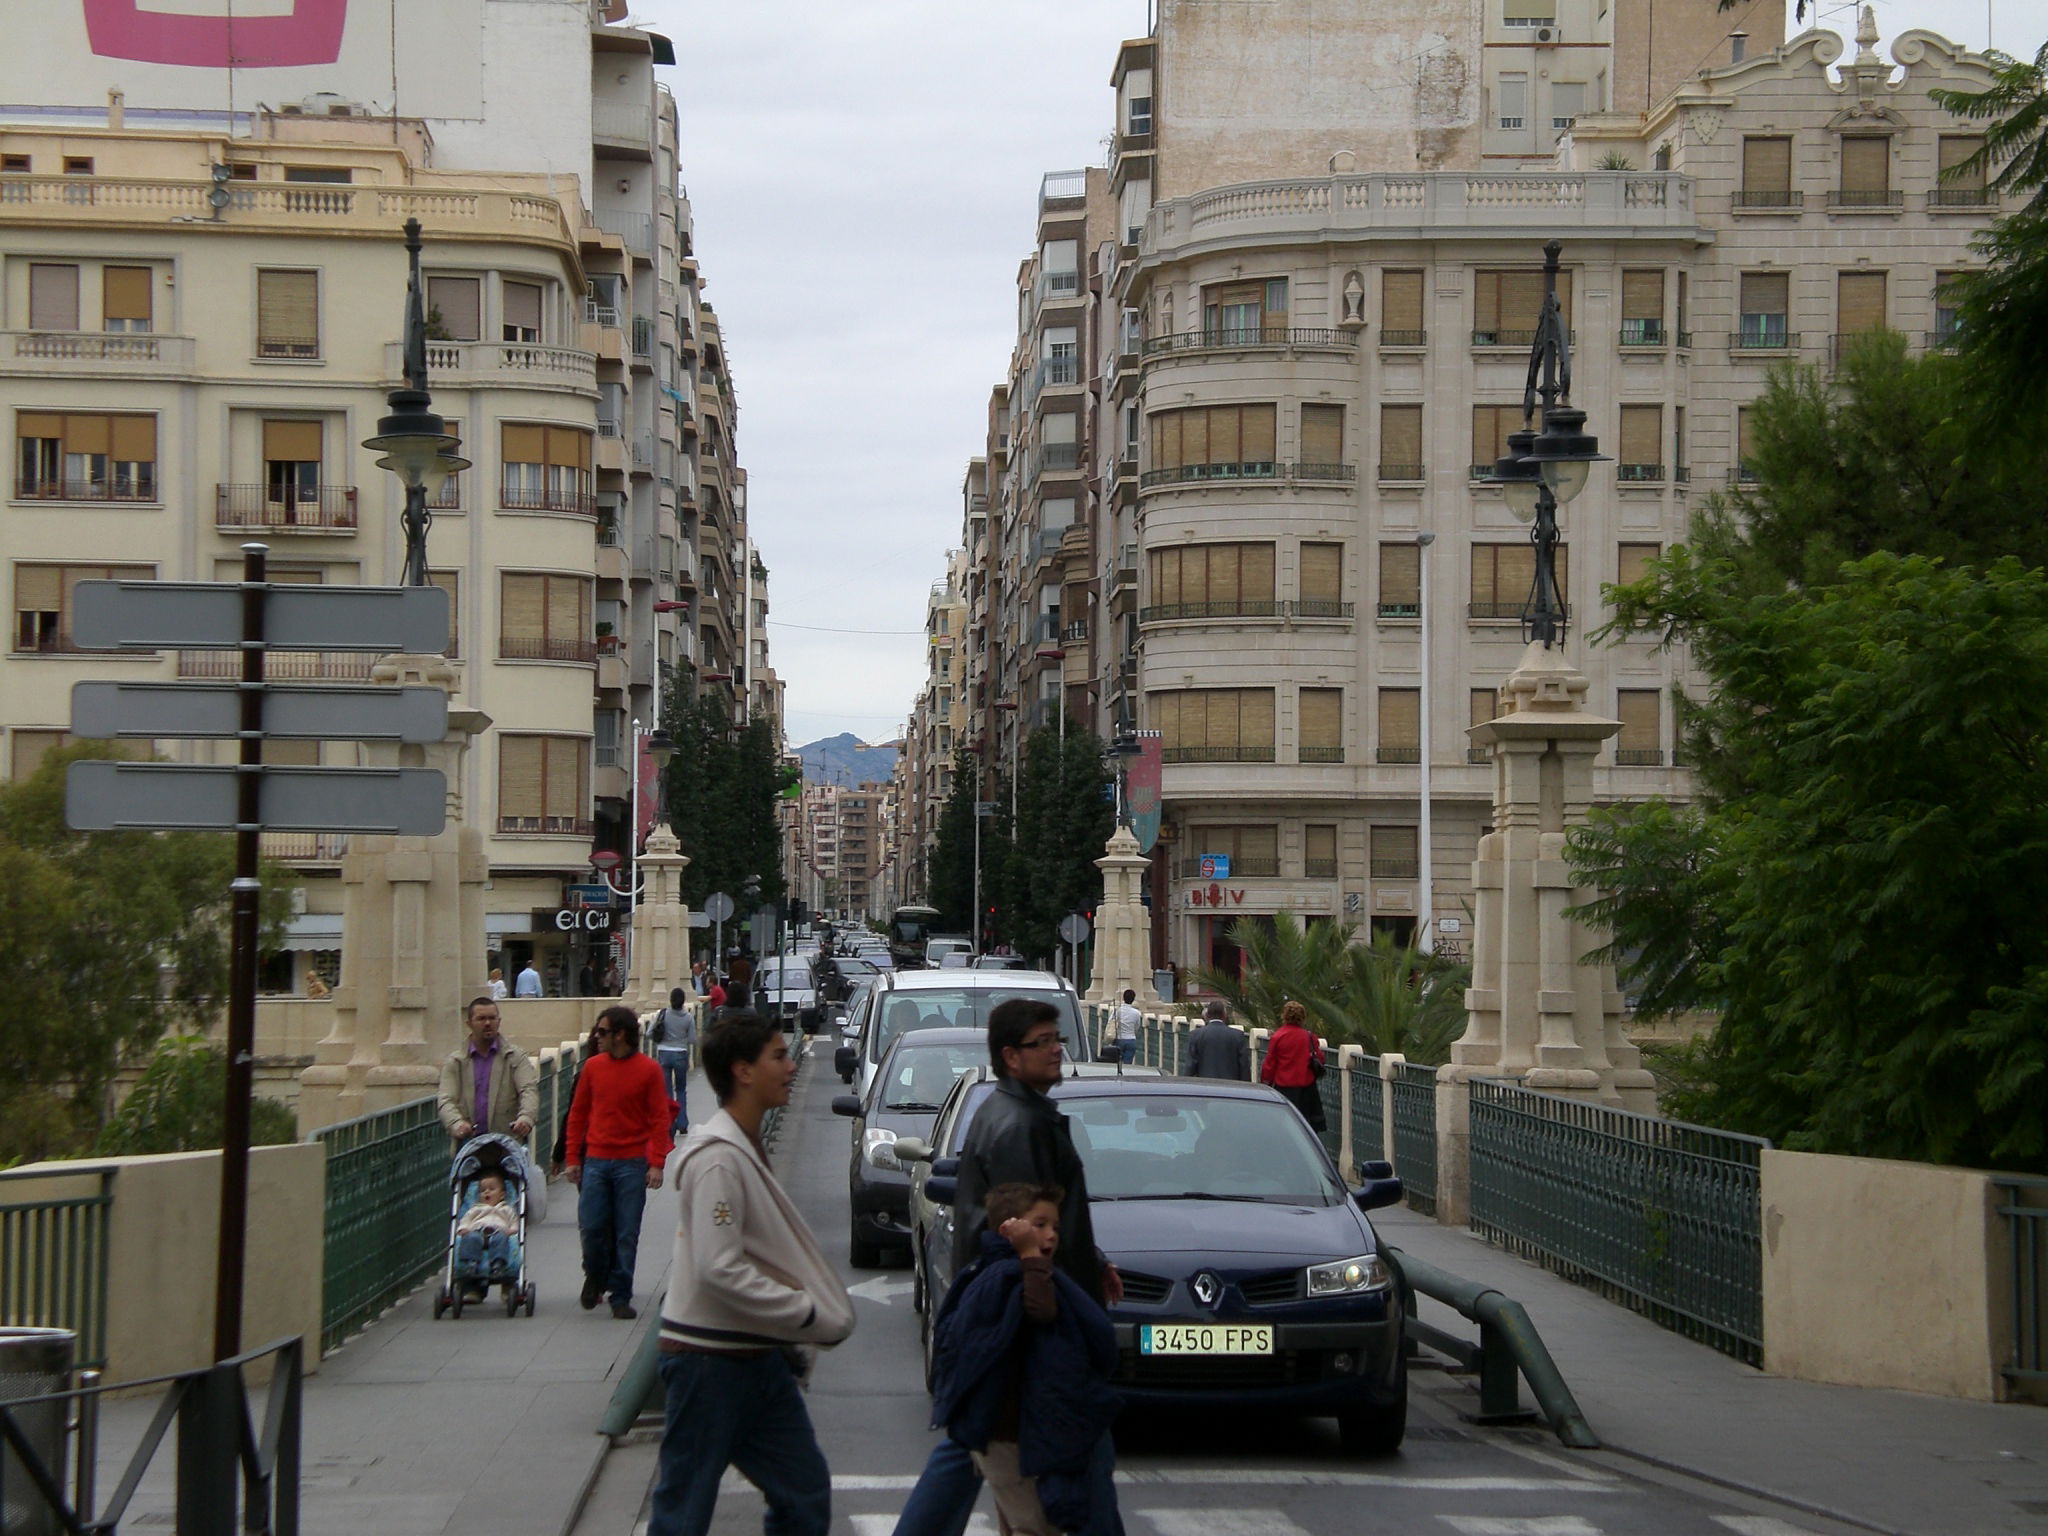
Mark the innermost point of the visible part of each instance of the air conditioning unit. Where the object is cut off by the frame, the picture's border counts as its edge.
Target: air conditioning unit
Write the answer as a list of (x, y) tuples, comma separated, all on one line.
[(1549, 35)]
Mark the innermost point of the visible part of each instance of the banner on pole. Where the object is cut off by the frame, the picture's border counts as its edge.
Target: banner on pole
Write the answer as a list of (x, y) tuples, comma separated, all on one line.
[(1142, 790)]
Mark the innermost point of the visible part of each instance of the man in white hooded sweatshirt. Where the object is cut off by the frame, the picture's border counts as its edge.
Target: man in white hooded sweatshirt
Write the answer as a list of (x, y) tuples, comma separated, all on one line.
[(750, 1296)]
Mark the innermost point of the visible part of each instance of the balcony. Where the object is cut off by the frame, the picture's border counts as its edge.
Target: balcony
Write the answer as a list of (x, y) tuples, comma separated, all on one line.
[(635, 229), (605, 315), (1319, 869), (1245, 338), (643, 339), (1519, 341), (1074, 632), (120, 488), (1764, 338), (1644, 333), (1328, 474), (1242, 608), (623, 125), (1319, 608), (1059, 372), (544, 648), (1841, 200), (1492, 612), (1960, 199), (1766, 200), (329, 509), (1189, 474), (526, 499), (1394, 869), (96, 354), (303, 847), (1400, 474), (282, 666), (545, 826), (1639, 757), (1320, 754), (1217, 754), (1395, 341), (527, 365), (1638, 474), (1404, 610), (1397, 754), (1056, 287)]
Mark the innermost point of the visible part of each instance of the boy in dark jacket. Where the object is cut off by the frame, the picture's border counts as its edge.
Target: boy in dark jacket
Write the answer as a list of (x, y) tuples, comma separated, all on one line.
[(1021, 1367)]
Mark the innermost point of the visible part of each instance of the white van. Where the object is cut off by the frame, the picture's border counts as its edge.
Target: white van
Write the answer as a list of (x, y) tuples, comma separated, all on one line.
[(936, 950)]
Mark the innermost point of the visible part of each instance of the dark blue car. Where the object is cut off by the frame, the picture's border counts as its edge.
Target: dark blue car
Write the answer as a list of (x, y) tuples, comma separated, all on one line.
[(1253, 1279)]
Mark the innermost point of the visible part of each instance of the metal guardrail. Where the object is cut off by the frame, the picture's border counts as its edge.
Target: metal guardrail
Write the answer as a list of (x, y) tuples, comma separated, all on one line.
[(1368, 1109), (386, 1212), (1412, 1095), (1330, 1089), (554, 1086), (2023, 1202), (1662, 1216), (53, 1259), (220, 1443)]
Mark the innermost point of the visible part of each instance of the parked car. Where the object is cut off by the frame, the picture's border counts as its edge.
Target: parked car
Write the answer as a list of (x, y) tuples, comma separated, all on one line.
[(903, 1001), (903, 1100), (1253, 1279)]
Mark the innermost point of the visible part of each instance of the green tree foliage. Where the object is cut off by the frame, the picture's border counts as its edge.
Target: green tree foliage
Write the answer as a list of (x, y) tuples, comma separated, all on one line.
[(723, 785), (1064, 818), (950, 877), (178, 1105)]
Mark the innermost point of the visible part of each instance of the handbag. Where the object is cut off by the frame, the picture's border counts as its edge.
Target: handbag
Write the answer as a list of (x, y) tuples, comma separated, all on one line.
[(1316, 1065)]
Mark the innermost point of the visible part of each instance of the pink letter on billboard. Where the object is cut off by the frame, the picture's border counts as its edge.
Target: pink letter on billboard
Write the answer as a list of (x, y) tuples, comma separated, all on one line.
[(310, 34)]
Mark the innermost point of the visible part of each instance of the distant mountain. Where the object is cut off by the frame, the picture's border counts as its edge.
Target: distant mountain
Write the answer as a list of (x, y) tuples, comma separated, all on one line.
[(846, 759)]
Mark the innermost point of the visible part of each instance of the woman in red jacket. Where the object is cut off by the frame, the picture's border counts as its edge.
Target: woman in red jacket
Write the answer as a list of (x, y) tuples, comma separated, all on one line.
[(1292, 1058)]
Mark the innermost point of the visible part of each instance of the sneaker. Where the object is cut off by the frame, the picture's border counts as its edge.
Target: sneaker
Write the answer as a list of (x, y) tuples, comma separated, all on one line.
[(473, 1293), (593, 1293), (624, 1310)]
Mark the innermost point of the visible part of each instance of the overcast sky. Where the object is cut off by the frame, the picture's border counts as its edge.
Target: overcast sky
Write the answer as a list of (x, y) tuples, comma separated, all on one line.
[(864, 177)]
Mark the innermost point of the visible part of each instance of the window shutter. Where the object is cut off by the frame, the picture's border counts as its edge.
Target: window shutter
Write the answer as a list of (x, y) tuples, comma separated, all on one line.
[(564, 793), (1641, 722), (1395, 852), (1259, 843), (38, 588), (1484, 705), (1163, 711), (1194, 717), (1509, 571), (294, 442), (125, 293), (1194, 433), (567, 448), (88, 434), (1766, 293), (300, 577), (1225, 438), (1159, 583), (1634, 560), (39, 424), (1255, 721), (1486, 301), (1224, 584), (524, 445), (522, 306), (52, 297), (30, 747), (1400, 576), (1642, 295), (1642, 433), (1261, 434), (1401, 436), (134, 439), (1322, 717), (288, 308), (1322, 572), (1222, 707), (1743, 445), (1166, 441), (1521, 300), (451, 583), (1319, 846), (520, 776), (460, 302), (1491, 425), (1953, 150), (1400, 717), (1767, 165), (1867, 164), (567, 610), (524, 613), (1322, 434), (1859, 301), (1255, 572), (1401, 301)]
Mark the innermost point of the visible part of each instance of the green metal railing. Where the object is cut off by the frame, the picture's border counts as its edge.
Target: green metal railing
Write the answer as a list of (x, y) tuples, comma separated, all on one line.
[(1172, 1039), (1412, 1090), (2023, 1202), (53, 1257), (1660, 1215), (1368, 1110), (387, 1212), (1330, 1089), (554, 1085)]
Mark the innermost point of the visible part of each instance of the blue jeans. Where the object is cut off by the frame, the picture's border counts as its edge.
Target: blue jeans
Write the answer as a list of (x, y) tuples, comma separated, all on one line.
[(1128, 1049), (946, 1491), (608, 1207), (743, 1411), (484, 1255), (674, 1061)]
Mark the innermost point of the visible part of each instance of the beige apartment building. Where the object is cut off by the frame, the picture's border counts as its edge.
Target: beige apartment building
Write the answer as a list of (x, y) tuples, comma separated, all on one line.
[(923, 780), (1312, 374)]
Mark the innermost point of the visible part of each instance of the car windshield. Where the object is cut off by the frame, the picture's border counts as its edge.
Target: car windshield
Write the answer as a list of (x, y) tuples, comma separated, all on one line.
[(920, 1075), (1187, 1147), (852, 967), (966, 1008)]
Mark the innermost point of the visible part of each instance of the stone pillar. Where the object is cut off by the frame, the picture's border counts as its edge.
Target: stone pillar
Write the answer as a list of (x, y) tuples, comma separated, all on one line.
[(413, 945), (1123, 927), (1534, 1013), (661, 925)]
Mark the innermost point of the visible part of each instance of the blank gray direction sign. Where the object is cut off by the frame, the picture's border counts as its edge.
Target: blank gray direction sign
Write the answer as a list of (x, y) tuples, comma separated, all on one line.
[(207, 615), (103, 711), (402, 802)]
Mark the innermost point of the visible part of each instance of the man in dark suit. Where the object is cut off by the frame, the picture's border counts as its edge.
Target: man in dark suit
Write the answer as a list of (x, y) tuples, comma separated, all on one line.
[(1217, 1048)]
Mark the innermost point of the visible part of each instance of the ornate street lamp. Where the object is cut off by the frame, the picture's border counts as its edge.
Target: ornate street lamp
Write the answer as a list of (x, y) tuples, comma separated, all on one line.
[(416, 444), (1543, 469)]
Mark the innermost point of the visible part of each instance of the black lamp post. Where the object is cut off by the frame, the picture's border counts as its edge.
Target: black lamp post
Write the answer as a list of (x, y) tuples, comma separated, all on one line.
[(1542, 470), (416, 444)]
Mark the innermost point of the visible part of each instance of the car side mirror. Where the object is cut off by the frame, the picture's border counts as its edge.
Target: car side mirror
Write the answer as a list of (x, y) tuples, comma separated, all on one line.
[(844, 1061), (1376, 1169), (1377, 1193), (913, 1149), (846, 1104)]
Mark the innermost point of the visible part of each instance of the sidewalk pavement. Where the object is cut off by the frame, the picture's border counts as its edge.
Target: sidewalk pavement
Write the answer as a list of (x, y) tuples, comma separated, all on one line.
[(1888, 1461)]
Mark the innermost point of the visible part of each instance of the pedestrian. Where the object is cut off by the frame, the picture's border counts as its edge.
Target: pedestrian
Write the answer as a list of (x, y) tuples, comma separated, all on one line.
[(700, 980), (1294, 1060), (618, 1136), (1127, 1020), (1021, 1366), (751, 1297), (715, 1000), (488, 1083), (1019, 1137), (316, 985), (527, 982), (593, 1045), (1217, 1048), (672, 1035), (586, 980), (496, 986), (614, 984)]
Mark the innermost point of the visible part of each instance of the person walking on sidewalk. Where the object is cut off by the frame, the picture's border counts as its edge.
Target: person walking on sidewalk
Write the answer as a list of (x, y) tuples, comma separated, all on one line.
[(618, 1136), (1217, 1047), (488, 1083), (1294, 1060), (1128, 1018), (673, 1035), (750, 1297)]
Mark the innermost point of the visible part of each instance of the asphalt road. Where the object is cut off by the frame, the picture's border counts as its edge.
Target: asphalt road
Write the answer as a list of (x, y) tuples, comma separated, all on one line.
[(1180, 1477)]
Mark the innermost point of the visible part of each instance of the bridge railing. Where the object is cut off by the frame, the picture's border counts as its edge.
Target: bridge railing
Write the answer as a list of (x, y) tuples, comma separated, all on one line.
[(1411, 1100), (386, 1211), (1368, 1109), (53, 1256), (2023, 1207)]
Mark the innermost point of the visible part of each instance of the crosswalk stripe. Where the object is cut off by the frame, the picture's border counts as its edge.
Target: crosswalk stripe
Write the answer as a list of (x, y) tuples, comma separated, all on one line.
[(1536, 1525), (1758, 1525), (978, 1524), (1245, 1477), (1222, 1522)]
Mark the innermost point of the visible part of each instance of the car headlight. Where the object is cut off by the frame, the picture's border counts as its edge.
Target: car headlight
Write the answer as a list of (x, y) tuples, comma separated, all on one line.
[(879, 1148), (1346, 1277)]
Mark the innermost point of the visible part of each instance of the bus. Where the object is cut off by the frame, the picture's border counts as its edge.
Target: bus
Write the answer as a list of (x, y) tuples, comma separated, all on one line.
[(909, 927)]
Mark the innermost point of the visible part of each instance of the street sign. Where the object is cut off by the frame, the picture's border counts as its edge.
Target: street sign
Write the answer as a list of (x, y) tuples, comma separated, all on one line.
[(1215, 866), (401, 802), (1074, 928), (718, 906), (207, 615), (987, 807), (587, 895), (103, 711)]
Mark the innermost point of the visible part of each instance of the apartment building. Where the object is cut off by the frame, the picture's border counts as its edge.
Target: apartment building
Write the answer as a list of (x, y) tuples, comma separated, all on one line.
[(923, 778)]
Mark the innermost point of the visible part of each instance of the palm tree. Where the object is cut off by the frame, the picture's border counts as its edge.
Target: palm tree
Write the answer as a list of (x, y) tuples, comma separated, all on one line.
[(1287, 960), (1391, 996)]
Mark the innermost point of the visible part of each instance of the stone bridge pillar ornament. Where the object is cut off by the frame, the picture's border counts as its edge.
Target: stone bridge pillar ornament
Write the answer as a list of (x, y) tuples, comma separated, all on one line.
[(412, 936), (661, 925), (1123, 926), (1534, 1013)]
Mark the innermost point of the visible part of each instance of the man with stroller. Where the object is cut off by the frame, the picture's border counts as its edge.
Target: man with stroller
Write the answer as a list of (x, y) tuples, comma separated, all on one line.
[(488, 1084)]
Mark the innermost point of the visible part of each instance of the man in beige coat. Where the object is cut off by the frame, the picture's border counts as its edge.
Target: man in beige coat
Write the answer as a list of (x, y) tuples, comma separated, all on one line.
[(488, 1084)]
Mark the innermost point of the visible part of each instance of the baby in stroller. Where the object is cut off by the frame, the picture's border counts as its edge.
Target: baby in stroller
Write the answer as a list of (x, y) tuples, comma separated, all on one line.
[(492, 1186), (486, 1238)]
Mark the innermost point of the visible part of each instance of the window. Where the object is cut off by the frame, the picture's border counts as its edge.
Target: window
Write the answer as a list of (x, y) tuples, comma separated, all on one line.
[(1507, 305), (1322, 442), (544, 618), (1319, 852), (1400, 733), (522, 312), (1238, 313), (1401, 322), (1322, 725), (1679, 470), (291, 465), (1140, 122), (1866, 174), (319, 175), (125, 298), (1642, 309), (451, 583), (43, 601), (1766, 174), (1642, 435), (546, 469), (1059, 263), (1641, 742), (1954, 186), (1859, 303), (1213, 442), (78, 165), (455, 309), (1567, 101), (1504, 576), (1395, 853), (449, 497), (1632, 562), (1214, 725), (15, 165), (287, 314), (1194, 581), (52, 297), (1252, 851), (544, 784), (1513, 102), (1322, 582), (1684, 309), (1491, 425), (85, 457), (1946, 314), (1745, 472), (27, 748), (1484, 706), (1401, 581), (1400, 442), (1765, 301)]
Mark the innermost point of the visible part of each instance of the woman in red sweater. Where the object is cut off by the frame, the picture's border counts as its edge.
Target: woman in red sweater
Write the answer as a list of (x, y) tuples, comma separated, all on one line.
[(619, 1125), (1291, 1053)]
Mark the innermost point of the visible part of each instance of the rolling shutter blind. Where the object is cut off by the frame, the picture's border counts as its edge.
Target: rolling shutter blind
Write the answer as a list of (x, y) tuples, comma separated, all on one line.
[(1634, 562), (134, 439), (1400, 717), (1166, 577), (1224, 585), (1171, 712), (52, 298), (31, 747), (564, 790), (125, 293), (525, 613), (1866, 165), (1642, 432), (1743, 446), (1642, 295), (1322, 572), (568, 609), (296, 442), (1395, 852), (1261, 434), (285, 575), (38, 588), (1954, 149), (1322, 434), (1641, 724), (460, 303), (1491, 425), (1859, 301), (88, 434), (522, 306), (568, 449), (38, 425), (520, 769), (1226, 439), (1505, 573), (1765, 293), (524, 445), (1400, 576), (1485, 705), (1255, 572), (1319, 844), (1401, 435), (1521, 300), (1766, 165), (287, 306), (1166, 441), (1401, 301), (1255, 718), (1194, 437), (1322, 717)]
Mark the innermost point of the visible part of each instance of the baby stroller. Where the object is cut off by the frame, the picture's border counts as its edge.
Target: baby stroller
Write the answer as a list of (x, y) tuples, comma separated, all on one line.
[(491, 1153)]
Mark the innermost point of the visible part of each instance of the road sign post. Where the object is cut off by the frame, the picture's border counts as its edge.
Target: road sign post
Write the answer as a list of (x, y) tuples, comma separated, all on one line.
[(718, 907)]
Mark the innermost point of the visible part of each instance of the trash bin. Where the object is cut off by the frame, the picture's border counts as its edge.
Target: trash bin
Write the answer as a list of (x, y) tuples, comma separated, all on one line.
[(1162, 983), (34, 1361)]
